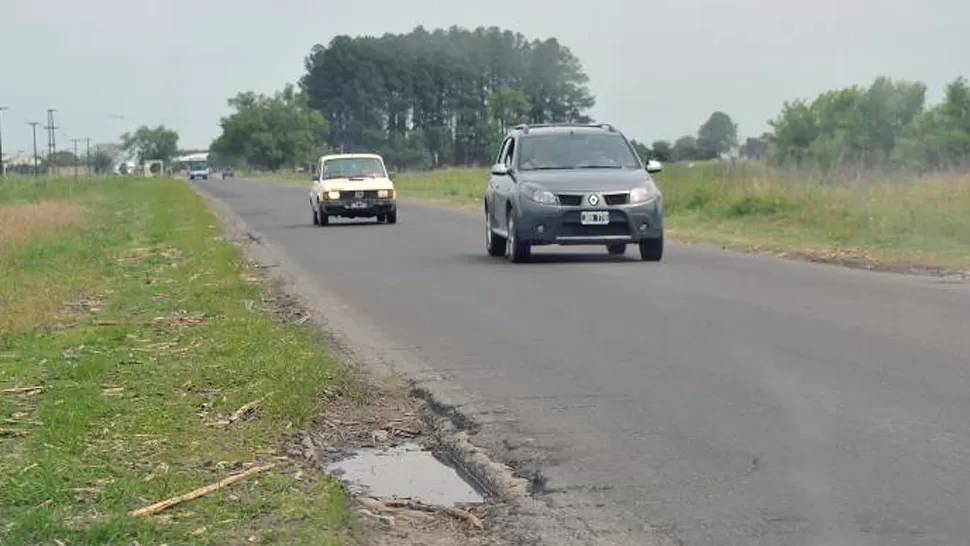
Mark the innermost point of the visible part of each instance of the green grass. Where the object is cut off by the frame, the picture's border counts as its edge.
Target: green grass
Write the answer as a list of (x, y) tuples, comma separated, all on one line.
[(124, 416), (922, 222)]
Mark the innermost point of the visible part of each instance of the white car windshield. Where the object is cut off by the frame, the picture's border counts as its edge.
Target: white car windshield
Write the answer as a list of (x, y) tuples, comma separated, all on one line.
[(357, 167), (576, 151)]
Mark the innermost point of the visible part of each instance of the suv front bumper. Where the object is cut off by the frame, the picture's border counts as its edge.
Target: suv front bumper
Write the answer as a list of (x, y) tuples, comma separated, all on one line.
[(541, 224)]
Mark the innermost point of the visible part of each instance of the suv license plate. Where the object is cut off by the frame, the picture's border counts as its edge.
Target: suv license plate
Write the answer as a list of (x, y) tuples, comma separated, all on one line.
[(594, 218), (358, 205)]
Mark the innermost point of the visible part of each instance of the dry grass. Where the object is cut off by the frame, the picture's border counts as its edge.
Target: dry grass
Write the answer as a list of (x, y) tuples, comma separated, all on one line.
[(28, 298), (20, 222)]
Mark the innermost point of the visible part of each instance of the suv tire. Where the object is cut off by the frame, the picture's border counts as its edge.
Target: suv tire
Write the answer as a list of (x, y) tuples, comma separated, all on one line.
[(652, 250), (515, 251)]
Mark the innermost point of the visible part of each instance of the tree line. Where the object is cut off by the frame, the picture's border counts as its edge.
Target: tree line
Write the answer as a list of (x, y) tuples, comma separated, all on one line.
[(422, 99), (437, 98)]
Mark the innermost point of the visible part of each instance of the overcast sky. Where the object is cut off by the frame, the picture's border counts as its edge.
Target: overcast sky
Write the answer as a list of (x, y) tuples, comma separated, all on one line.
[(658, 68)]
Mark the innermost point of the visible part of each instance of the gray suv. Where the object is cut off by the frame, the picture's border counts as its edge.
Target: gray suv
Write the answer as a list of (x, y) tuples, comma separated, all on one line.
[(572, 184)]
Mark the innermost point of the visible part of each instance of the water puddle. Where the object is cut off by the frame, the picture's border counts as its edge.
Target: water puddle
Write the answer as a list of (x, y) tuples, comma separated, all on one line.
[(408, 471)]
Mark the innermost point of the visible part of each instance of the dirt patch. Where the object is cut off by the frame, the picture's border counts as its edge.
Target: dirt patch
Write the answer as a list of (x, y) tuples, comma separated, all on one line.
[(854, 259), (23, 221), (374, 413), (136, 255)]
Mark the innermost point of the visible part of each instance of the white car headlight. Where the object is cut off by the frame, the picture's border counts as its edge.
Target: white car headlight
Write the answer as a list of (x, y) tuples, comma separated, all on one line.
[(333, 195), (385, 194), (540, 195), (642, 194)]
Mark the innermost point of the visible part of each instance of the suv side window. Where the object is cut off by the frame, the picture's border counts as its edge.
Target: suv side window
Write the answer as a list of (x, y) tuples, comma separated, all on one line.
[(502, 149), (509, 153)]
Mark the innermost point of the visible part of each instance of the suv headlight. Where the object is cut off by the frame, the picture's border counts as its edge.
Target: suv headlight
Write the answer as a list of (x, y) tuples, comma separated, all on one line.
[(540, 195), (385, 194), (333, 195), (642, 194)]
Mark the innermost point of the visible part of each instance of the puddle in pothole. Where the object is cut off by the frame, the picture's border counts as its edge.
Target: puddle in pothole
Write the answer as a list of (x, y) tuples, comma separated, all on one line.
[(406, 471)]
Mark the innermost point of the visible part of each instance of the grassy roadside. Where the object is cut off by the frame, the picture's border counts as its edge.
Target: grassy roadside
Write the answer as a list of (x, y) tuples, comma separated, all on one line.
[(130, 331), (874, 223)]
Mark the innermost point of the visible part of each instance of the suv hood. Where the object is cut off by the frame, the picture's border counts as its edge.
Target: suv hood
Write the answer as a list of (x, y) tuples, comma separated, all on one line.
[(346, 184), (578, 180)]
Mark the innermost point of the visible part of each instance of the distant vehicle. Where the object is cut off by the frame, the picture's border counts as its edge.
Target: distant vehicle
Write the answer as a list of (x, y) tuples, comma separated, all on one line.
[(199, 169), (352, 186), (572, 184), (228, 173)]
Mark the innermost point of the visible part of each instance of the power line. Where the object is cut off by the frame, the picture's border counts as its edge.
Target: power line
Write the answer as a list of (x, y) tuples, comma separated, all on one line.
[(34, 125), (75, 141), (87, 154), (3, 167), (51, 140)]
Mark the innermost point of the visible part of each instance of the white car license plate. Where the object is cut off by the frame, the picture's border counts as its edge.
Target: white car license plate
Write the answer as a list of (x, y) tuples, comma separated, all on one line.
[(594, 218), (358, 205)]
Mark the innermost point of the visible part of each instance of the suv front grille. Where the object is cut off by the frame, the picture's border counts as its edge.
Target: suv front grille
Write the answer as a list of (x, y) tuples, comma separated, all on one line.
[(611, 199), (617, 198), (570, 200)]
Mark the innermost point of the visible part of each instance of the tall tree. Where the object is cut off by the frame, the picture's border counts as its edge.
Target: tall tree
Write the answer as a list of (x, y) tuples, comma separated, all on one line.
[(663, 150), (441, 97), (271, 131), (718, 135), (152, 143)]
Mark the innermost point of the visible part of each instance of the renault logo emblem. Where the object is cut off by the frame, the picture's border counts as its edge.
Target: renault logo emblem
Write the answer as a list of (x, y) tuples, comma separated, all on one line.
[(593, 199), (358, 194)]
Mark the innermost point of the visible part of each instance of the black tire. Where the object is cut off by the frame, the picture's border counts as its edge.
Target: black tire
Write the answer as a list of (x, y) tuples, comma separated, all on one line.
[(616, 249), (381, 218), (323, 217), (494, 244), (652, 250), (392, 217), (316, 218), (516, 251)]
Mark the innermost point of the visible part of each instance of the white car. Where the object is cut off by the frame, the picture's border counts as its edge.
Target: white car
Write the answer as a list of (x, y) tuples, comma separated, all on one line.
[(352, 186)]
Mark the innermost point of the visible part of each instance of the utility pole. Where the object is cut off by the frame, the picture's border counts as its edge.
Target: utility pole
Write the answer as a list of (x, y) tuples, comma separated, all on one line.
[(34, 125), (51, 141), (87, 155), (75, 141), (3, 166)]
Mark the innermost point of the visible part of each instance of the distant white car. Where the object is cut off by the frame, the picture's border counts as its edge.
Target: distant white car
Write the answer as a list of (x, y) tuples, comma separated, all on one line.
[(352, 186)]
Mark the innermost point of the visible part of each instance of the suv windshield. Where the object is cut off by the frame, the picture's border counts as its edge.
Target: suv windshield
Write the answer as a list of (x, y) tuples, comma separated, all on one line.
[(358, 167), (575, 151)]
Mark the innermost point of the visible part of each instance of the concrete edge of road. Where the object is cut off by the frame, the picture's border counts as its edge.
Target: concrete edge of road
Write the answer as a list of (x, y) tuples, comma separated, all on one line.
[(447, 406)]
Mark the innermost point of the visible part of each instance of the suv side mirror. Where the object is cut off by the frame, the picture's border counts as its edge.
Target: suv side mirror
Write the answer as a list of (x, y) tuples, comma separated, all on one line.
[(500, 169), (654, 166)]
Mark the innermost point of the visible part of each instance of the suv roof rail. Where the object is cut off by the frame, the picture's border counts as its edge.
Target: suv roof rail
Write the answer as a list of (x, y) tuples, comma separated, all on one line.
[(524, 127)]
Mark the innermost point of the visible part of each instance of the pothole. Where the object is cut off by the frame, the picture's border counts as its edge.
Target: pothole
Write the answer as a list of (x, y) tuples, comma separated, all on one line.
[(406, 471)]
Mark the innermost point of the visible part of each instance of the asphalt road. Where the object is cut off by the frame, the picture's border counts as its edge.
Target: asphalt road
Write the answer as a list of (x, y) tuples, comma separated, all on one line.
[(711, 399)]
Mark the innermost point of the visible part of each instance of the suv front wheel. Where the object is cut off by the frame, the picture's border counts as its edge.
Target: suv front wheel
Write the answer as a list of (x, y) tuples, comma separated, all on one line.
[(494, 244), (652, 250), (515, 251)]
